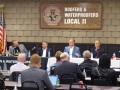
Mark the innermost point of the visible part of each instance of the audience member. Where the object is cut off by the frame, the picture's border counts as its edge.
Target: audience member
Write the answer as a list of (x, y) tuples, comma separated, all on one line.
[(87, 63), (105, 70), (67, 67), (20, 64), (58, 60), (97, 51), (35, 74)]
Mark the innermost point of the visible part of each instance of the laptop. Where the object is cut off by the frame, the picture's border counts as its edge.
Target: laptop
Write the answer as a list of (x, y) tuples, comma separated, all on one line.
[(53, 80)]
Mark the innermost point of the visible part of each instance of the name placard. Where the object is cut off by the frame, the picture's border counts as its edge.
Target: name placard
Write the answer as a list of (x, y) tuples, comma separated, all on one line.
[(71, 16)]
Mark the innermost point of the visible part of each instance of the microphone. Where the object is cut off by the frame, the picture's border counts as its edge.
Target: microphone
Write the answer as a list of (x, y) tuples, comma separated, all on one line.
[(33, 48)]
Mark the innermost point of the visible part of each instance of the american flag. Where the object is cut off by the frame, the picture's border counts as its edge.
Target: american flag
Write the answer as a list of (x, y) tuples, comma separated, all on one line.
[(3, 43)]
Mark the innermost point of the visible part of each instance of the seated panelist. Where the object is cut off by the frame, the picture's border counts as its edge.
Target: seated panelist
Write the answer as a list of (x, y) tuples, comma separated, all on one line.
[(44, 51), (72, 50), (97, 51), (15, 49)]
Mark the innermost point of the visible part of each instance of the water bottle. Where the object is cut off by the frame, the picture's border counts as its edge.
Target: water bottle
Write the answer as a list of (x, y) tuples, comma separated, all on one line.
[(7, 52), (114, 56), (58, 82), (48, 53), (29, 53), (19, 79), (48, 71), (15, 88), (0, 69), (84, 73), (5, 66), (91, 55)]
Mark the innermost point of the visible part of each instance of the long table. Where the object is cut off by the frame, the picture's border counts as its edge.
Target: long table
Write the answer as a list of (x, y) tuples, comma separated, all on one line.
[(9, 61), (52, 60), (10, 85)]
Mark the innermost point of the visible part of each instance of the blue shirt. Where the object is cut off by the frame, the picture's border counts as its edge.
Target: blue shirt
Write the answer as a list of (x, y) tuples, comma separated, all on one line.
[(57, 63)]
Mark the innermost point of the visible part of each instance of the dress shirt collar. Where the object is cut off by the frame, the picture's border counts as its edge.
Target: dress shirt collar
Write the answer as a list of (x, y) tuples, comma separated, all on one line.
[(71, 47), (44, 49)]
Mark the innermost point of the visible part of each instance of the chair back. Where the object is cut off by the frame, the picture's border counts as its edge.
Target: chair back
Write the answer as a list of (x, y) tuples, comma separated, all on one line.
[(2, 84), (30, 85), (68, 78), (14, 76), (88, 72), (101, 81), (117, 73), (76, 86), (52, 70)]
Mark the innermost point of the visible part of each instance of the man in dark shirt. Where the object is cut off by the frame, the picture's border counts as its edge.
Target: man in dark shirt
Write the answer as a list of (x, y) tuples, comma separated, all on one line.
[(67, 67), (97, 51), (45, 50), (87, 63)]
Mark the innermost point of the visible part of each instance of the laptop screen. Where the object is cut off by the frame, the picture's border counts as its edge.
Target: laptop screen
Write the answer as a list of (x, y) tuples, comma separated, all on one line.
[(53, 80)]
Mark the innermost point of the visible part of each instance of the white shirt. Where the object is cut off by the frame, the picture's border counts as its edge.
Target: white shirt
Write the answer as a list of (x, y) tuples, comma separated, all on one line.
[(18, 67), (44, 52), (71, 51)]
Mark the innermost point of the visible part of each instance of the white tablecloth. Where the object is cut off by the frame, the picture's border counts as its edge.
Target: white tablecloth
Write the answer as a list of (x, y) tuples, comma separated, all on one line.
[(52, 60)]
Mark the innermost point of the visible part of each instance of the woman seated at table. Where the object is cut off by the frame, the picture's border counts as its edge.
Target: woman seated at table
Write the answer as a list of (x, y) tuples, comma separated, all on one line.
[(104, 69), (58, 61)]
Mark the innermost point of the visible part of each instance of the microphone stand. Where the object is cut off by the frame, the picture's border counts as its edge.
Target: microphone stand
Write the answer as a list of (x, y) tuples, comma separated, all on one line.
[(32, 50)]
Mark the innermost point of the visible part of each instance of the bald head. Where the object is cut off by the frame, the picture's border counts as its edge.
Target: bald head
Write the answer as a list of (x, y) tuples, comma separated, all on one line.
[(22, 57), (64, 56), (86, 55)]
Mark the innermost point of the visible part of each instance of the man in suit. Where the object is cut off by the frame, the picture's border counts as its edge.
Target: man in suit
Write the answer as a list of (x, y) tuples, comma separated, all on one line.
[(67, 67), (35, 74), (72, 50), (17, 48), (87, 63), (44, 51), (97, 51)]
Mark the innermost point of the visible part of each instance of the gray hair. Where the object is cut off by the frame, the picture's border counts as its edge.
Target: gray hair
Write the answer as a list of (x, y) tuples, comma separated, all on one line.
[(64, 55), (87, 54)]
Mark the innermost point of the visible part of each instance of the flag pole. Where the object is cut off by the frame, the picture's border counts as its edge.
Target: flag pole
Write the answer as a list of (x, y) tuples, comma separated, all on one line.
[(2, 17)]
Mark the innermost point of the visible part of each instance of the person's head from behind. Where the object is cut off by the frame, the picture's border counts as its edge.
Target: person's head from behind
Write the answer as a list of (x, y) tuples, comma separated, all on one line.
[(86, 55), (35, 60), (57, 55), (64, 57), (21, 57), (44, 44), (104, 61), (97, 44), (15, 43), (71, 42)]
